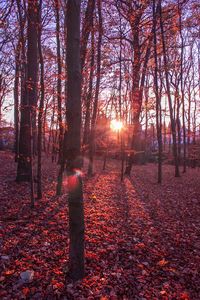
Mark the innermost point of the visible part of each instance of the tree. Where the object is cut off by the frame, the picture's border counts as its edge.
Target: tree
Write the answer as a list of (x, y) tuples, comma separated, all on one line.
[(134, 13), (59, 74), (89, 96), (86, 29), (96, 97), (173, 126), (158, 100), (41, 107), (16, 99), (29, 99), (73, 145)]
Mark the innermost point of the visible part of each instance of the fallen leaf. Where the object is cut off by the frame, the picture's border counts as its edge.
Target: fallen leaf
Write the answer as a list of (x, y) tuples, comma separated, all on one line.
[(9, 272), (25, 291), (162, 263)]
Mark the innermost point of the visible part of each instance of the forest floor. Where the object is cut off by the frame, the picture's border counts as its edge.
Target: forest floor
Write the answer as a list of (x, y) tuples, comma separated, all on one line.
[(142, 239)]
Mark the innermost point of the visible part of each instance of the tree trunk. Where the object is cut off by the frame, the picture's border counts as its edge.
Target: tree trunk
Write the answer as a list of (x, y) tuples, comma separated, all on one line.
[(89, 96), (189, 115), (59, 87), (16, 100), (44, 125), (178, 125), (182, 89), (94, 115), (27, 122), (173, 125), (73, 116), (87, 27), (136, 106), (120, 102), (158, 100), (51, 129), (41, 110)]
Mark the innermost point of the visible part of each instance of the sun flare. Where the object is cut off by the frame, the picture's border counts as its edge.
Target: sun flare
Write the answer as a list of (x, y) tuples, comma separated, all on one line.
[(116, 125)]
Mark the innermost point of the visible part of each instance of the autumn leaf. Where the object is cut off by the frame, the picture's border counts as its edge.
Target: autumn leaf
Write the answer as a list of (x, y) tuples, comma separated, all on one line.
[(9, 272), (140, 246), (58, 252), (163, 293), (57, 272), (184, 296), (56, 284), (162, 263), (93, 197), (26, 291)]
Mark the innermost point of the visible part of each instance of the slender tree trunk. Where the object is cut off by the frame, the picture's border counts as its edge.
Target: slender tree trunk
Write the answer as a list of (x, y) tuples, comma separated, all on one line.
[(31, 162), (178, 124), (51, 134), (189, 116), (62, 167), (89, 96), (164, 134), (16, 100), (182, 90), (120, 103), (41, 110), (158, 100), (173, 125), (194, 121), (27, 123), (55, 143), (136, 107), (44, 125), (51, 129), (146, 59), (23, 100), (94, 115), (146, 119), (86, 29), (1, 97), (59, 87)]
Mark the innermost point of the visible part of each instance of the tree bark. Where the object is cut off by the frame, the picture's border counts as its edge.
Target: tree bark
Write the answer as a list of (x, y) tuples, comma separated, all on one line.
[(41, 109), (136, 107), (94, 115), (28, 112), (87, 27), (73, 117), (173, 125), (89, 96), (158, 100), (16, 100), (59, 74)]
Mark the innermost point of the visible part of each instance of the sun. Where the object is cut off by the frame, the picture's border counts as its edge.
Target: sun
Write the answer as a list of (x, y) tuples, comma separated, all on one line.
[(116, 125)]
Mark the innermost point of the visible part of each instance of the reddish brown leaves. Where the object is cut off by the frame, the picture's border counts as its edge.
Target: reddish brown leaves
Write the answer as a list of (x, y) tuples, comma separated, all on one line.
[(141, 239)]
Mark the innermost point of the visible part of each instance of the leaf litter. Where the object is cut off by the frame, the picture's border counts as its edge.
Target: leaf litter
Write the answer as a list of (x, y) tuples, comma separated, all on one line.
[(142, 240)]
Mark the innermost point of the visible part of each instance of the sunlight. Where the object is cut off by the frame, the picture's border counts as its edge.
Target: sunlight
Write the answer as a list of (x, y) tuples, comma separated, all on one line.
[(116, 125), (78, 172)]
